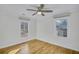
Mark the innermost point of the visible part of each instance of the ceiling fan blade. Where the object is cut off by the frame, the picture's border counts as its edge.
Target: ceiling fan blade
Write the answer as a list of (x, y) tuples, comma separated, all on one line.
[(46, 10), (41, 6), (42, 14), (31, 10), (34, 13)]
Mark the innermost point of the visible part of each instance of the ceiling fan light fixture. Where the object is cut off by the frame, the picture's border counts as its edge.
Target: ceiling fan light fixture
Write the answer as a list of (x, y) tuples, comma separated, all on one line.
[(39, 13)]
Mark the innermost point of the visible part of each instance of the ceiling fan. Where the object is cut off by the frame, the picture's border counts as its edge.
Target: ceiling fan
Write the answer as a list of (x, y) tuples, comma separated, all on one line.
[(40, 10)]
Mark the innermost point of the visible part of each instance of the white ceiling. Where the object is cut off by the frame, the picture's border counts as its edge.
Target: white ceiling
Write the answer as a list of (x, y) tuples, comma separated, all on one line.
[(18, 9)]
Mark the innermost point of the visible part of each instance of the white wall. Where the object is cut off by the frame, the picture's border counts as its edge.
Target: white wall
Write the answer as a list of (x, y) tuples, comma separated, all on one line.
[(10, 25), (46, 28)]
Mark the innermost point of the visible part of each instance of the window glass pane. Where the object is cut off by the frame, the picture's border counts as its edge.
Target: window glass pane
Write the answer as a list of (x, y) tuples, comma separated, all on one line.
[(24, 29), (61, 27)]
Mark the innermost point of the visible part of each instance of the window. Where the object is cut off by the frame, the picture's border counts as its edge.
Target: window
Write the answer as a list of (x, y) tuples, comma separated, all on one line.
[(61, 27), (24, 29)]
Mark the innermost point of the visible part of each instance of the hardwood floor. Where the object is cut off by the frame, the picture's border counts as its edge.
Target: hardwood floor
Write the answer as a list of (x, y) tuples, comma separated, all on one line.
[(39, 47)]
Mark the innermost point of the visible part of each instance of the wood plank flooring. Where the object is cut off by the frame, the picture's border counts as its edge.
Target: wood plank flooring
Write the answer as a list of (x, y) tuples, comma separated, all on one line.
[(39, 47)]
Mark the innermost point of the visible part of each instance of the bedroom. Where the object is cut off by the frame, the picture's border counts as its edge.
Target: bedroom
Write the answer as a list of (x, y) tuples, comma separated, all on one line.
[(42, 28)]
